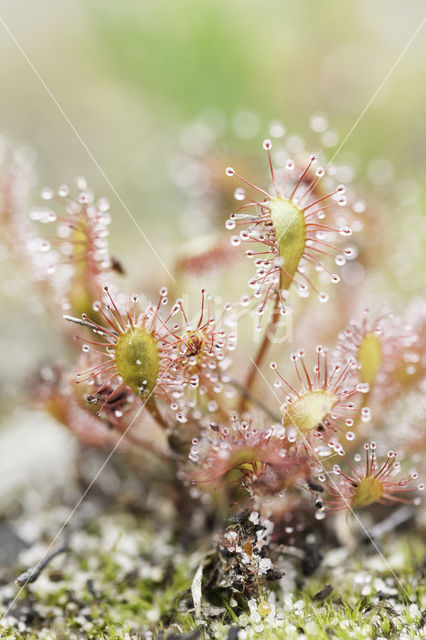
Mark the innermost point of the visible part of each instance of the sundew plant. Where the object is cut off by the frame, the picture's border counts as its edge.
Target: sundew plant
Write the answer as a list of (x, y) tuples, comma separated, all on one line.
[(272, 438)]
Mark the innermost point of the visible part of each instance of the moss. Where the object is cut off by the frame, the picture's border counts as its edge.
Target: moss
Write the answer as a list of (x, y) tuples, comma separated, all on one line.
[(126, 580)]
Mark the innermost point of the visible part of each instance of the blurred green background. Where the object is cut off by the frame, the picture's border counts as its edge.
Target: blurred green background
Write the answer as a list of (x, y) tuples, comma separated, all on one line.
[(132, 75)]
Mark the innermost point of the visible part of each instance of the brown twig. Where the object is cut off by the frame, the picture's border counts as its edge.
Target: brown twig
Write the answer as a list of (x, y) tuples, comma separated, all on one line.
[(89, 324), (33, 573)]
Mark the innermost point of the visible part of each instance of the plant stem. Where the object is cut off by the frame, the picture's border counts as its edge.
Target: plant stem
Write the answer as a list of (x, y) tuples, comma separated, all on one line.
[(151, 405), (144, 444), (261, 353)]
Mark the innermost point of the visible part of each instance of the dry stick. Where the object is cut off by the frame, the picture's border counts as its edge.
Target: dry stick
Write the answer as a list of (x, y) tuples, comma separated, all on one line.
[(32, 574), (256, 363), (89, 324)]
